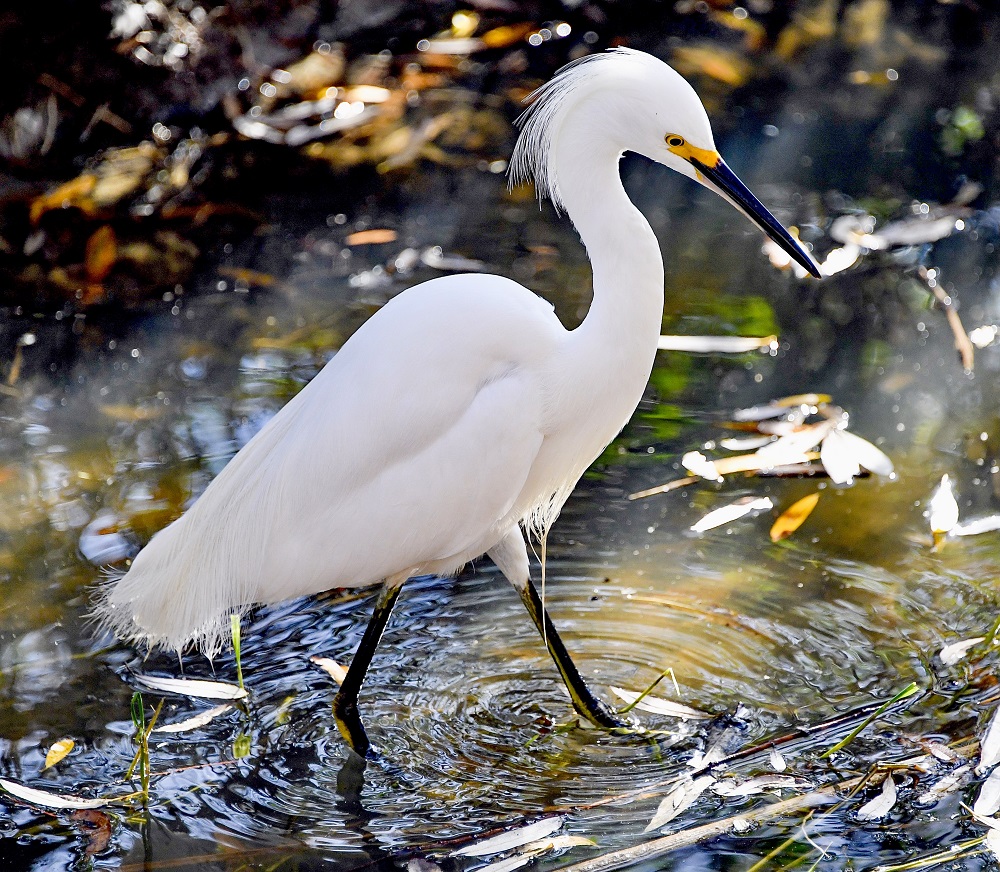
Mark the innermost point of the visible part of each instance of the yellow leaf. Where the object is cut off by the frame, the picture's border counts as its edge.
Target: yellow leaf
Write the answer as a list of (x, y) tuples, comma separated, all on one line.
[(377, 236), (58, 750), (791, 519)]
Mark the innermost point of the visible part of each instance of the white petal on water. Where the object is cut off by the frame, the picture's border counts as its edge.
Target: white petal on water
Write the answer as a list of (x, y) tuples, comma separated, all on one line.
[(716, 344), (882, 804), (511, 839), (192, 687), (989, 745), (331, 667), (660, 706), (870, 457), (983, 336), (192, 723), (840, 259), (697, 464), (956, 651), (748, 443), (793, 447), (51, 800), (988, 800), (988, 524), (776, 760), (993, 842), (942, 510), (733, 512), (759, 784), (838, 460), (946, 784), (760, 413), (682, 796)]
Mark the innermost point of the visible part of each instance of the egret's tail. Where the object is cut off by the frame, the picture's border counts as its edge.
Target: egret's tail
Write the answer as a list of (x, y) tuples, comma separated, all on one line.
[(164, 601)]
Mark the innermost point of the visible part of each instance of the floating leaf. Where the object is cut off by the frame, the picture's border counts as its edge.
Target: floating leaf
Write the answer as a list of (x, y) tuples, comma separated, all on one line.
[(793, 517), (861, 451), (942, 510), (683, 795), (331, 668), (375, 236), (192, 687), (993, 843), (988, 800), (96, 829), (241, 746), (882, 804), (753, 786), (776, 760), (697, 464), (194, 722), (733, 512), (945, 785), (794, 447), (953, 653), (988, 524), (749, 443), (101, 253), (511, 839), (57, 752), (716, 344), (989, 745), (51, 800), (660, 706)]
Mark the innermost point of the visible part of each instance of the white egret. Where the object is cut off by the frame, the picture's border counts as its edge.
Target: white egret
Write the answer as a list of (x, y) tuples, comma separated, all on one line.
[(460, 413)]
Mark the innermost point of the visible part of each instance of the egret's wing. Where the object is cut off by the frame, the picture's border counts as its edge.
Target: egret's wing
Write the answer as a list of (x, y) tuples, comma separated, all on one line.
[(405, 453)]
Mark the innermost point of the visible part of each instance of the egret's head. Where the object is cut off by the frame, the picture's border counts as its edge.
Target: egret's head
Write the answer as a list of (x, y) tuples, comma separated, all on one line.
[(626, 100)]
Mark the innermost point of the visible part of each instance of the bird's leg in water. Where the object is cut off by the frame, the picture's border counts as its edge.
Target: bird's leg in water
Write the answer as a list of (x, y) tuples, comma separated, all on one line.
[(345, 703), (584, 701)]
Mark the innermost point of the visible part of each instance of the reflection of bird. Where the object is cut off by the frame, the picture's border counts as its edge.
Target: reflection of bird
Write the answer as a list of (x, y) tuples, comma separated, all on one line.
[(460, 411)]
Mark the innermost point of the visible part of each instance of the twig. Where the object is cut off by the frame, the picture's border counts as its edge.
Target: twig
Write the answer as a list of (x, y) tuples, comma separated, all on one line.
[(963, 344)]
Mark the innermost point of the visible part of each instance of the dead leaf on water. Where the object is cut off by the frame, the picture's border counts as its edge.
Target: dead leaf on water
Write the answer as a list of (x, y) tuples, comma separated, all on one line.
[(515, 838), (882, 804), (733, 512), (194, 722), (46, 799), (793, 517), (57, 752), (375, 236), (96, 829), (192, 687), (131, 414), (684, 794), (956, 651), (101, 253), (330, 667), (716, 344), (660, 706)]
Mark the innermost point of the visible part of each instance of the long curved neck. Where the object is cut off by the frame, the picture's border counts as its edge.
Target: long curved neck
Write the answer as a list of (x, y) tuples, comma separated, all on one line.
[(615, 345)]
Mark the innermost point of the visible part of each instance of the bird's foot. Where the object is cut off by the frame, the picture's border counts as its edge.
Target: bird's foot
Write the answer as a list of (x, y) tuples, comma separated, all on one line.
[(345, 715)]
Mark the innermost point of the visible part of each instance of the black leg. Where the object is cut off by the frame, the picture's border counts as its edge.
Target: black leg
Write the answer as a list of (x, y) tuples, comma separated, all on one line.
[(584, 700), (345, 703)]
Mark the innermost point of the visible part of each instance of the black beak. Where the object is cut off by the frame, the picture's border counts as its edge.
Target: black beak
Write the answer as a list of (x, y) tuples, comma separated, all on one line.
[(728, 184)]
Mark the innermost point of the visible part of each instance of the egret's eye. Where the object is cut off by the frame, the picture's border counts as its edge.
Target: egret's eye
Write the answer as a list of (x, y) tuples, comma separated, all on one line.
[(674, 141)]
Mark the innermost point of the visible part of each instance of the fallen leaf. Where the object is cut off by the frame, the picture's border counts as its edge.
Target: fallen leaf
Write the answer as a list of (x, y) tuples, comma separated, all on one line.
[(953, 653), (987, 524), (989, 745), (45, 799), (101, 253), (988, 800), (331, 668), (776, 760), (882, 804), (96, 829), (945, 785), (716, 344), (372, 237), (860, 451), (511, 839), (793, 517), (192, 723), (752, 786), (660, 706), (733, 512), (192, 687), (681, 797), (57, 752), (942, 510)]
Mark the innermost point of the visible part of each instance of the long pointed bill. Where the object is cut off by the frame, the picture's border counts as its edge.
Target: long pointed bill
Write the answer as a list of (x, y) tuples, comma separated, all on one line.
[(727, 183)]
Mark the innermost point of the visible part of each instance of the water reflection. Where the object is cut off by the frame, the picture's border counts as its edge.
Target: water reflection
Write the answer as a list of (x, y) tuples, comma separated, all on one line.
[(139, 414)]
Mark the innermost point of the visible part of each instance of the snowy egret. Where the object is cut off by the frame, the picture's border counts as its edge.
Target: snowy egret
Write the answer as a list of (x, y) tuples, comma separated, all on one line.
[(460, 413)]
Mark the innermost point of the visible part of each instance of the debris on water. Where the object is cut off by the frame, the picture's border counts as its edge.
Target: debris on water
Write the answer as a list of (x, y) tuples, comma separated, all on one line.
[(956, 651), (882, 804), (682, 796), (741, 508), (194, 687)]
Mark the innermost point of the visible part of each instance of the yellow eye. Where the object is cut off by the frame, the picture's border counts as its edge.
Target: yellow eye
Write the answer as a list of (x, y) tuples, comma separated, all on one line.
[(674, 141)]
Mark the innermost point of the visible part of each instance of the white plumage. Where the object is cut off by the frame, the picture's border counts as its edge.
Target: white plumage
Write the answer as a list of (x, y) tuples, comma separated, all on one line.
[(460, 410)]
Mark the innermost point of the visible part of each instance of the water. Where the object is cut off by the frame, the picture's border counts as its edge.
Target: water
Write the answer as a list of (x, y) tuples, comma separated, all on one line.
[(125, 418)]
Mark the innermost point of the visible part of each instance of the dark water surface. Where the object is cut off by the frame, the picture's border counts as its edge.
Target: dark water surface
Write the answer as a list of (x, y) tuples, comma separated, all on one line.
[(136, 414)]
